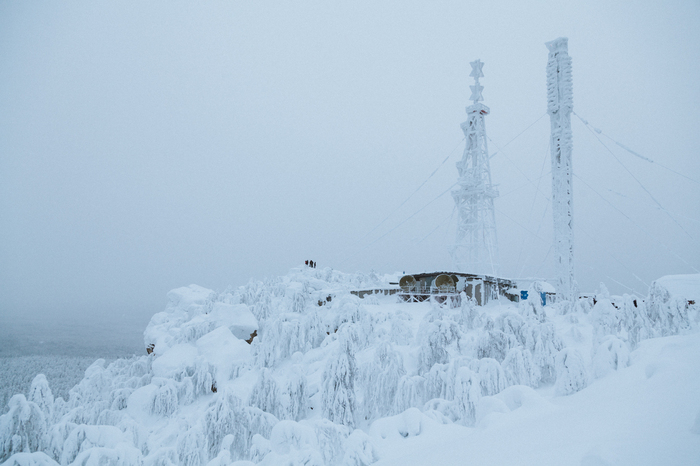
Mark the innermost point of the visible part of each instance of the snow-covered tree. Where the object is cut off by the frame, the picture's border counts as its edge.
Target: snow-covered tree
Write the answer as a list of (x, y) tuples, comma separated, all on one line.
[(520, 369), (436, 337), (191, 447), (266, 393), (40, 393), (165, 400), (220, 420), (22, 428), (544, 344), (571, 372), (467, 395), (338, 398), (410, 393), (296, 395), (492, 378), (359, 450), (468, 312), (532, 306), (494, 343), (380, 381), (611, 355)]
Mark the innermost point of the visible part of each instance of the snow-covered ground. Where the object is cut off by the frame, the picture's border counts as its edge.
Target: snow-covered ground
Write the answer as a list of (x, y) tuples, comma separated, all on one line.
[(334, 379)]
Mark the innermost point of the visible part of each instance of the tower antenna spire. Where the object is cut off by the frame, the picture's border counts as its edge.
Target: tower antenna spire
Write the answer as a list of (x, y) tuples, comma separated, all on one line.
[(476, 246), (560, 104)]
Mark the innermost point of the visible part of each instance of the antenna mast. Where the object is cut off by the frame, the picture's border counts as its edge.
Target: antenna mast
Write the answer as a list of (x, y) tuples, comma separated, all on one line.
[(476, 247), (560, 104)]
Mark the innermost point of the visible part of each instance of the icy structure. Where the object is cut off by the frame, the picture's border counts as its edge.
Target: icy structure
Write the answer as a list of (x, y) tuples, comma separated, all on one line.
[(323, 382), (560, 104), (476, 246)]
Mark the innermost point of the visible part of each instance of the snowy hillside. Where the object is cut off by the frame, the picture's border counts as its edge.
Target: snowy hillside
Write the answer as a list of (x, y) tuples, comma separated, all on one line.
[(331, 379)]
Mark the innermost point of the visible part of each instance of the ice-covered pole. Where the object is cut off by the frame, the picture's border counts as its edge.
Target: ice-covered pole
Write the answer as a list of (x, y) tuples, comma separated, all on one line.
[(476, 245), (560, 104)]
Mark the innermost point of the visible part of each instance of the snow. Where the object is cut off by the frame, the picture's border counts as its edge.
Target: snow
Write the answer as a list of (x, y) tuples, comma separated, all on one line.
[(377, 381), (237, 317), (686, 286), (175, 360)]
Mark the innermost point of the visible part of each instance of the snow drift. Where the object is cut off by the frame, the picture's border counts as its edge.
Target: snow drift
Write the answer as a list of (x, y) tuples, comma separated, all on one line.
[(297, 370)]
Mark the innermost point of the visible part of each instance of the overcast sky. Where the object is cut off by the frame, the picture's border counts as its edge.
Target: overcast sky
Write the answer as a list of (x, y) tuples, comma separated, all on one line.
[(150, 145)]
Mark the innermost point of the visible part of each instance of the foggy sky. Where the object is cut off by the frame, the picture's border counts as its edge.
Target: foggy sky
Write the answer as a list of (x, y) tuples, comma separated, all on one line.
[(149, 146)]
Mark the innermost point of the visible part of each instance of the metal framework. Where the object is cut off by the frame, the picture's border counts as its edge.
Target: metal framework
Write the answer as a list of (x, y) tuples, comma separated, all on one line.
[(559, 106), (476, 245)]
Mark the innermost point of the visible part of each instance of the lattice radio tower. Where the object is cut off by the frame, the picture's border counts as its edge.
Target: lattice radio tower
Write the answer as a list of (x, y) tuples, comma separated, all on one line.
[(476, 247), (560, 104)]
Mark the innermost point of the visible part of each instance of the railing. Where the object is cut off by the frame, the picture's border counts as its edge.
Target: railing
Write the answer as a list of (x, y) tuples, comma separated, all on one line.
[(418, 289)]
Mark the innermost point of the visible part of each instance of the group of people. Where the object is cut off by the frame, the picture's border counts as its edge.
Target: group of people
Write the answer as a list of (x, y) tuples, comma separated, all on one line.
[(311, 264)]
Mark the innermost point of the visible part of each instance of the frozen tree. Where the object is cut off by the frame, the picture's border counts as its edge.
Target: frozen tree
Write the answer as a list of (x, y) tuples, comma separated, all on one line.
[(668, 314), (605, 318), (266, 393), (22, 428), (262, 309), (492, 378), (400, 333), (226, 416), (634, 320), (285, 335), (439, 382), (468, 312), (612, 354), (296, 395), (520, 369), (571, 372), (513, 324), (118, 398), (219, 421), (87, 438), (224, 456), (299, 300), (40, 393), (544, 344), (202, 379), (338, 398), (437, 335), (410, 393), (494, 343), (260, 446), (191, 445), (467, 395), (359, 450), (532, 306), (330, 438), (165, 398), (380, 381)]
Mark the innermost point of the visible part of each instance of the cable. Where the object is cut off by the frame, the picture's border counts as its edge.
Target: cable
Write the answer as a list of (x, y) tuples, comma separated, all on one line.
[(410, 196), (640, 184), (411, 216), (532, 208), (508, 193), (448, 218), (524, 228), (517, 168), (598, 243), (519, 134), (585, 122), (635, 224)]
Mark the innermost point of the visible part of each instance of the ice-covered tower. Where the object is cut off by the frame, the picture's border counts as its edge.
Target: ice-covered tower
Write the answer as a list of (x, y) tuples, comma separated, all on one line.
[(560, 104), (476, 246)]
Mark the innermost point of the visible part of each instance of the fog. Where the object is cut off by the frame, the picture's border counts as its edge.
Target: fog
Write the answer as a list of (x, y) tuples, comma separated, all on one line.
[(149, 146)]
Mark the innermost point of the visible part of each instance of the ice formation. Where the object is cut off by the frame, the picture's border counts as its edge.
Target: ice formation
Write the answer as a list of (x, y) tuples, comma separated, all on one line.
[(560, 103), (329, 381)]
